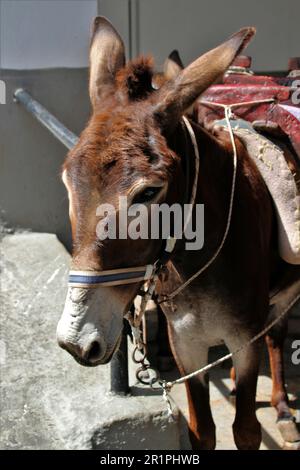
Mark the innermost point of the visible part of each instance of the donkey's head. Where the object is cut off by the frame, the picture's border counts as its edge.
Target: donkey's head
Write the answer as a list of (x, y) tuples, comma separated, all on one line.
[(125, 151)]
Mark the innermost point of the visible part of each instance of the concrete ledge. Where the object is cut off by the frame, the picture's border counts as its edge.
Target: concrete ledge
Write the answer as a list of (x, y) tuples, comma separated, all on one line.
[(140, 427), (48, 401)]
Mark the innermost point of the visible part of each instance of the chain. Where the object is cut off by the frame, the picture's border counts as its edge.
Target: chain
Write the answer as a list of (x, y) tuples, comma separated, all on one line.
[(145, 374)]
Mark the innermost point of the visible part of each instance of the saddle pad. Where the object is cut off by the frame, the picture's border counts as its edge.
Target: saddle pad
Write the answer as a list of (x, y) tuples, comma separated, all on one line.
[(280, 177)]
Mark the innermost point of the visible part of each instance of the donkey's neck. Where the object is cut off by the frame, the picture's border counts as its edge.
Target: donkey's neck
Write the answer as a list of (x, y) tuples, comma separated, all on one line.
[(213, 191)]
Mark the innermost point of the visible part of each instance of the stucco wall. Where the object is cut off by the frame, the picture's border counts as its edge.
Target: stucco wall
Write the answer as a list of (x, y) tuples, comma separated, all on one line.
[(32, 194), (45, 33), (55, 33)]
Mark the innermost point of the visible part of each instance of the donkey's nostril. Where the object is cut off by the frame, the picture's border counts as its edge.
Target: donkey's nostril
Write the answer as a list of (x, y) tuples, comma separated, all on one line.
[(94, 353)]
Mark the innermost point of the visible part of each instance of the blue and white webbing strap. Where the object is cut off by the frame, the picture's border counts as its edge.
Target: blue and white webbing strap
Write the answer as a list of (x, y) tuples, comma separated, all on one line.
[(108, 278)]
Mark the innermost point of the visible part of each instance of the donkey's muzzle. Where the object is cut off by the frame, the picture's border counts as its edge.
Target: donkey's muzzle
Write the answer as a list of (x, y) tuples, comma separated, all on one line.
[(90, 355)]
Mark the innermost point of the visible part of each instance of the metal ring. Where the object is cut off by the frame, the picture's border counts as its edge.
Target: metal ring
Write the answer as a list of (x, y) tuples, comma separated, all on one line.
[(142, 351), (143, 368), (155, 379), (151, 380)]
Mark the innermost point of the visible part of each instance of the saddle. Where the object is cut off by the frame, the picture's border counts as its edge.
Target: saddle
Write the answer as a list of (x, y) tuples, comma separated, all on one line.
[(281, 173), (271, 133)]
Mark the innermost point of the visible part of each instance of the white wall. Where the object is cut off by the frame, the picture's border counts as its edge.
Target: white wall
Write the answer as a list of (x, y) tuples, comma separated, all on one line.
[(45, 33)]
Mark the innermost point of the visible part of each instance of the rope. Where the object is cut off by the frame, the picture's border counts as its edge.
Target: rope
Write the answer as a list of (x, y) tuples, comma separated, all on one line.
[(228, 116), (197, 164), (236, 105), (212, 259), (167, 386)]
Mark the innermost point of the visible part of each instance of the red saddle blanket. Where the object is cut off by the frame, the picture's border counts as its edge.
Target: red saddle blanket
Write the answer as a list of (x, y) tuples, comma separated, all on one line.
[(281, 117)]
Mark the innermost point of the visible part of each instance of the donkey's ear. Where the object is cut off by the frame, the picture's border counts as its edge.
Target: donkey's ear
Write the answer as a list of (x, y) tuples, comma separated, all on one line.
[(173, 65), (176, 95), (107, 56)]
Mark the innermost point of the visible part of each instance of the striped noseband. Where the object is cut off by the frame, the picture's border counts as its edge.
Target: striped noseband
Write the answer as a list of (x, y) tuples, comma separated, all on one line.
[(109, 278)]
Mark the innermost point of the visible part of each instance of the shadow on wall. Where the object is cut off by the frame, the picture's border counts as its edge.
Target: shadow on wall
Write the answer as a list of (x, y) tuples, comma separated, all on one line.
[(32, 195)]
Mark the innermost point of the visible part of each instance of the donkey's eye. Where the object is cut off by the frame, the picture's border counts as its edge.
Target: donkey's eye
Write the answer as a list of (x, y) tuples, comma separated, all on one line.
[(146, 195)]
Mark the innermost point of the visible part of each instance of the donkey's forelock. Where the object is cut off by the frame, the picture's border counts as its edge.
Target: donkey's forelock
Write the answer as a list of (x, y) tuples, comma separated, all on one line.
[(134, 81), (124, 128)]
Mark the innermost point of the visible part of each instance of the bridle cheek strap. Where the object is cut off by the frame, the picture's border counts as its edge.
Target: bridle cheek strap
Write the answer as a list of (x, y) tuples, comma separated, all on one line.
[(109, 278)]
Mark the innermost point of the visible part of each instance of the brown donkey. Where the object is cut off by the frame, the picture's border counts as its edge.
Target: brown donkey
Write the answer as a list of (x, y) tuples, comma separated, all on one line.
[(136, 145)]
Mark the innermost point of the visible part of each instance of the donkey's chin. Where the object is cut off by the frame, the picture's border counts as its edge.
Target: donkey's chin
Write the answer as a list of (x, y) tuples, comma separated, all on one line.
[(84, 363)]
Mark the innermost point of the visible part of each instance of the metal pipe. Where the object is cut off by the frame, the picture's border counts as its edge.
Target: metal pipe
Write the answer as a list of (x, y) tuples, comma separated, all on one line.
[(119, 383), (64, 135), (119, 363)]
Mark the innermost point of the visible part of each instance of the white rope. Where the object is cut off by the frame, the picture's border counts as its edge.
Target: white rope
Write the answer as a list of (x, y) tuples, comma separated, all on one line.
[(237, 105), (228, 115), (197, 164), (203, 268), (169, 385)]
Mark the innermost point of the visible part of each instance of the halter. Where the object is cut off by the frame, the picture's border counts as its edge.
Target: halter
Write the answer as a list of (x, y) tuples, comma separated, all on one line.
[(149, 272)]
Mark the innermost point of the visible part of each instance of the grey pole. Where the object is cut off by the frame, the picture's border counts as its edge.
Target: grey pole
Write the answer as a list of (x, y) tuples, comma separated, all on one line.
[(119, 364), (64, 135), (119, 383)]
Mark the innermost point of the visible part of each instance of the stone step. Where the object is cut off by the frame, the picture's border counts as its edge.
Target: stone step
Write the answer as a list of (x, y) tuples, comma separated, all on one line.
[(48, 401)]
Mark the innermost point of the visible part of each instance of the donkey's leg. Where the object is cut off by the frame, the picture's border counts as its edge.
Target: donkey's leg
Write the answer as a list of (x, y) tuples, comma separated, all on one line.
[(246, 428), (285, 420), (275, 341), (233, 381), (202, 429), (189, 356)]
